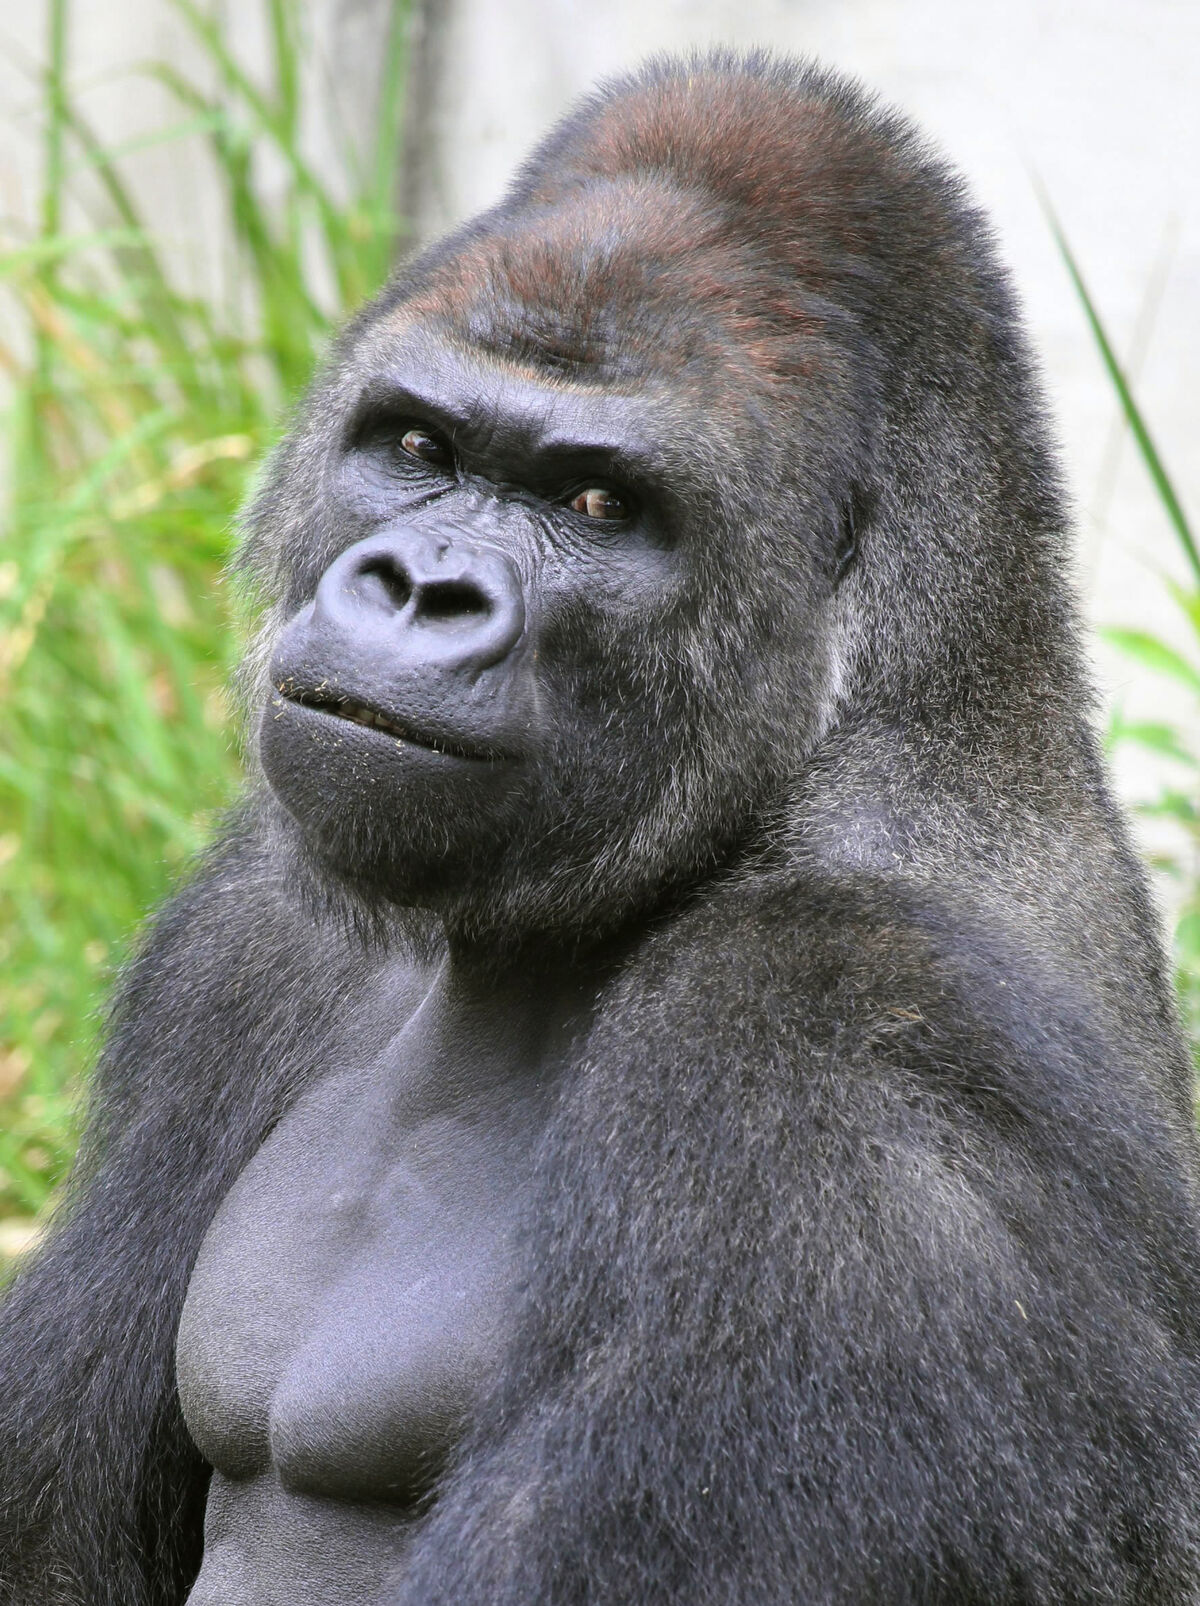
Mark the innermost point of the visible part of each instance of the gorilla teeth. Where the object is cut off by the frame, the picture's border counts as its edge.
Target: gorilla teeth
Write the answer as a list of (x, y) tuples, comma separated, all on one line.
[(368, 717), (358, 714)]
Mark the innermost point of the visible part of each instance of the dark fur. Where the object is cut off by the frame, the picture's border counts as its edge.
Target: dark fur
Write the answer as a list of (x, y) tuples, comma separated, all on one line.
[(866, 1264)]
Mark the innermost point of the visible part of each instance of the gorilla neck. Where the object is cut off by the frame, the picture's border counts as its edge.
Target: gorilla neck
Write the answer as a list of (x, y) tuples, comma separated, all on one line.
[(526, 1009)]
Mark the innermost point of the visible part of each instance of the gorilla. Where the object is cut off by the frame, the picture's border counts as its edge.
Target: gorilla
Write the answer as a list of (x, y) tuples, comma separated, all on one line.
[(667, 1092)]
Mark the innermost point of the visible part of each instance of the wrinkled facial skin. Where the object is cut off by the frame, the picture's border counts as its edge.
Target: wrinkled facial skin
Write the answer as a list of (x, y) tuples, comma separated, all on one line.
[(517, 671)]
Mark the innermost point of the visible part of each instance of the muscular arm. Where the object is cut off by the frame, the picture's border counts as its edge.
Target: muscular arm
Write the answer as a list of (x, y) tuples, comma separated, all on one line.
[(218, 1020), (871, 1274)]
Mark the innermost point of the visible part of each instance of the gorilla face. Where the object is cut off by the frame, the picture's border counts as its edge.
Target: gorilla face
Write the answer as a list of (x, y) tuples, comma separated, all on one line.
[(560, 626), (427, 700)]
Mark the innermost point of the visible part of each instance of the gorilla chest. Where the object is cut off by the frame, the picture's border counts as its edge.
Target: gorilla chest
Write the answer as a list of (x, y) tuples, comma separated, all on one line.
[(349, 1301)]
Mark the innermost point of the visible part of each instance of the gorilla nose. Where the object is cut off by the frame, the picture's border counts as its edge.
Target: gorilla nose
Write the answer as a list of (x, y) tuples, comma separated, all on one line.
[(447, 604)]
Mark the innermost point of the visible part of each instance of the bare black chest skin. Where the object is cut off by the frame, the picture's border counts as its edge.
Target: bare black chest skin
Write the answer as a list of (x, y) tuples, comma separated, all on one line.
[(352, 1296)]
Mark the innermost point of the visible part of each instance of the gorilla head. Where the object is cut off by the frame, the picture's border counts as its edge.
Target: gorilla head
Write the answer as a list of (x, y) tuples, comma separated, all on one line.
[(563, 537)]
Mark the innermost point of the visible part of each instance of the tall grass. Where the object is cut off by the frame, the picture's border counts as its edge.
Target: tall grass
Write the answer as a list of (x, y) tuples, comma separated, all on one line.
[(134, 410)]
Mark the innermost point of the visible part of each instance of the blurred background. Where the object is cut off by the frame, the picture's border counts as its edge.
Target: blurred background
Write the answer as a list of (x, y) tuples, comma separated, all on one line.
[(193, 193)]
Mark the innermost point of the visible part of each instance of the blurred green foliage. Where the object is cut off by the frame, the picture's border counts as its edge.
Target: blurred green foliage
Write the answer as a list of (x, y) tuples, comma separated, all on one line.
[(135, 408)]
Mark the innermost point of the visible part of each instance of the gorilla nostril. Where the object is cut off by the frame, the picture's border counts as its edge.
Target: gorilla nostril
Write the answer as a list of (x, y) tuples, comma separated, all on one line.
[(391, 579), (452, 599)]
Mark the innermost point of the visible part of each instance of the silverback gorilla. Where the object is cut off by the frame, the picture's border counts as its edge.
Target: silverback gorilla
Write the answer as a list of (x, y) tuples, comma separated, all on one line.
[(667, 1094)]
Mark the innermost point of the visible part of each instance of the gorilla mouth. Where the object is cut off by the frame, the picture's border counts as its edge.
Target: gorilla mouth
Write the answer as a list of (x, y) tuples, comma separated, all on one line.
[(388, 725)]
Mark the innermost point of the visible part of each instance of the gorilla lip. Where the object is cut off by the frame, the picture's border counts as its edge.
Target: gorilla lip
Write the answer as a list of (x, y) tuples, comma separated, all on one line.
[(359, 713)]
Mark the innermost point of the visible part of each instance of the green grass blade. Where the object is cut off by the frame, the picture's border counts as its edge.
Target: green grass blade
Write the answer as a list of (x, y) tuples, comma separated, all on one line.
[(1155, 738), (1133, 415), (56, 72), (1154, 655)]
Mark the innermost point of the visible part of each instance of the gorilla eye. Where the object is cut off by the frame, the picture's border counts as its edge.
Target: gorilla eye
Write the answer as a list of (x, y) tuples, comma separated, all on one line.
[(428, 447), (599, 503)]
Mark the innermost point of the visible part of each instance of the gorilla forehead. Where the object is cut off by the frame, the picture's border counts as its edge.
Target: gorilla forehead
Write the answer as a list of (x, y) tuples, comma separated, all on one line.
[(493, 403), (627, 281)]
